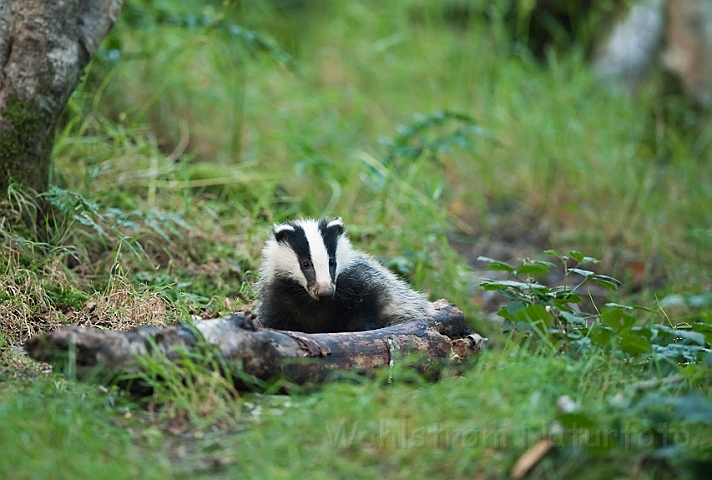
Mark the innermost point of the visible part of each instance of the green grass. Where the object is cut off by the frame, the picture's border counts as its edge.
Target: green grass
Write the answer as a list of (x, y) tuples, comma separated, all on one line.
[(582, 158), (476, 424), (174, 157), (56, 429)]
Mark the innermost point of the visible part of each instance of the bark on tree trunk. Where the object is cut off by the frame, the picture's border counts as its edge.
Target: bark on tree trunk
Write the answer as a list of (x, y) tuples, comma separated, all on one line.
[(263, 353), (44, 46), (682, 29), (688, 53)]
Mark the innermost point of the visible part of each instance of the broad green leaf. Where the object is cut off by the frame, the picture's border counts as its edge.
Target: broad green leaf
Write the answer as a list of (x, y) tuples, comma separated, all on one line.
[(705, 329), (686, 335), (502, 284), (617, 319), (634, 344), (601, 335), (513, 295), (583, 273), (578, 256), (572, 319), (536, 267), (605, 283), (496, 264), (643, 331), (582, 259), (513, 307), (679, 353), (554, 253), (534, 314), (567, 295), (504, 313)]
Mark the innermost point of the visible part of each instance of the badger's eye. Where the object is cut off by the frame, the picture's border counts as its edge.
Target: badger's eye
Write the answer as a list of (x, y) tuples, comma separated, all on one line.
[(306, 264), (332, 262)]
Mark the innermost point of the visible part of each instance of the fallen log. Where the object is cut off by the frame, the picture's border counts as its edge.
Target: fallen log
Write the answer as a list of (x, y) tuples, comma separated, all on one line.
[(262, 353)]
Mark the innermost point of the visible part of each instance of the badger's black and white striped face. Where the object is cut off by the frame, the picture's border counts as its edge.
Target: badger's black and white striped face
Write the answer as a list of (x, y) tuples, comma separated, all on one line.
[(309, 252)]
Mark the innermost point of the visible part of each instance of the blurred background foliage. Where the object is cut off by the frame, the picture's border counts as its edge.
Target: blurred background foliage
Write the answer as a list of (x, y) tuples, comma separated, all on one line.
[(440, 132), (299, 107)]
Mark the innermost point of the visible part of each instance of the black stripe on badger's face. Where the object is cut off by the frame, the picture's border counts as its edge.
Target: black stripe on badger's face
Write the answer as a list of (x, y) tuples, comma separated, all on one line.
[(317, 261), (330, 233)]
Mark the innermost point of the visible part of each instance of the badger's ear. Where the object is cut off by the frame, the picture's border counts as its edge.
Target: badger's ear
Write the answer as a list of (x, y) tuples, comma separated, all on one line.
[(336, 225), (281, 232)]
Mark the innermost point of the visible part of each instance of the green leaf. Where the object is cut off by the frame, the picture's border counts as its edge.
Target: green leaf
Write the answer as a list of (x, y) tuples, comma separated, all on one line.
[(617, 319), (496, 264), (578, 256), (568, 296), (555, 253), (572, 319), (634, 344), (534, 314), (603, 280), (605, 283), (510, 310), (675, 352), (504, 313), (629, 307), (704, 329), (686, 336), (513, 295), (602, 335), (536, 267), (583, 273), (502, 284), (513, 307), (581, 258)]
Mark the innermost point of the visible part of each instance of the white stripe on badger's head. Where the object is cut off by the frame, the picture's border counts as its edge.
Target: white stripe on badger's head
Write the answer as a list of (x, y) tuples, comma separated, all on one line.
[(323, 284), (307, 252)]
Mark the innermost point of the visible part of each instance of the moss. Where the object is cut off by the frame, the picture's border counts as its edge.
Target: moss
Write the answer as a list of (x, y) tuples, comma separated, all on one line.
[(17, 159), (64, 296)]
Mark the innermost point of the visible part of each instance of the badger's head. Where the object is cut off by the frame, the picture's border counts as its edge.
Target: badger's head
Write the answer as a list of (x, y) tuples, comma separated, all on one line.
[(308, 252)]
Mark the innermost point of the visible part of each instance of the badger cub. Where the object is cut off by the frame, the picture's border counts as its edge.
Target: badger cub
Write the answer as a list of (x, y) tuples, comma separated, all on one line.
[(312, 280)]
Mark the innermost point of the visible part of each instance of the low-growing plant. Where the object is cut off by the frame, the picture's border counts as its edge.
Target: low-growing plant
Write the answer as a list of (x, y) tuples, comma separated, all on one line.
[(554, 316)]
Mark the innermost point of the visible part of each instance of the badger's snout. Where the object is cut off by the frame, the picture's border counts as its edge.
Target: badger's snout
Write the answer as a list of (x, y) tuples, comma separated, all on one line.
[(325, 290)]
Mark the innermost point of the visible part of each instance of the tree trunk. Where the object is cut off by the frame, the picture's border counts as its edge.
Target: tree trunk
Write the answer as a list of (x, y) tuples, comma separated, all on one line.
[(688, 52), (262, 353), (44, 46)]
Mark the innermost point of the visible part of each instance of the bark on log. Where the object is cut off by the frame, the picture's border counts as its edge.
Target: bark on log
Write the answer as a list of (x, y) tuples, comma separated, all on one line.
[(263, 353), (44, 46)]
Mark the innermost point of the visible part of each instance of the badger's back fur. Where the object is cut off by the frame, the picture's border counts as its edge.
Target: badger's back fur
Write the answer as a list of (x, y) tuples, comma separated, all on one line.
[(312, 280)]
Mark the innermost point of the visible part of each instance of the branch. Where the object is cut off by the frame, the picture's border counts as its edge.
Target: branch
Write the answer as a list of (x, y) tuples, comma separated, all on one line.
[(264, 353)]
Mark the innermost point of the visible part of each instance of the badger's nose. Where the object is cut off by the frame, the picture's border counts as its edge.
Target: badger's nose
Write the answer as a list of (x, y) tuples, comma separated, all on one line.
[(325, 291)]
